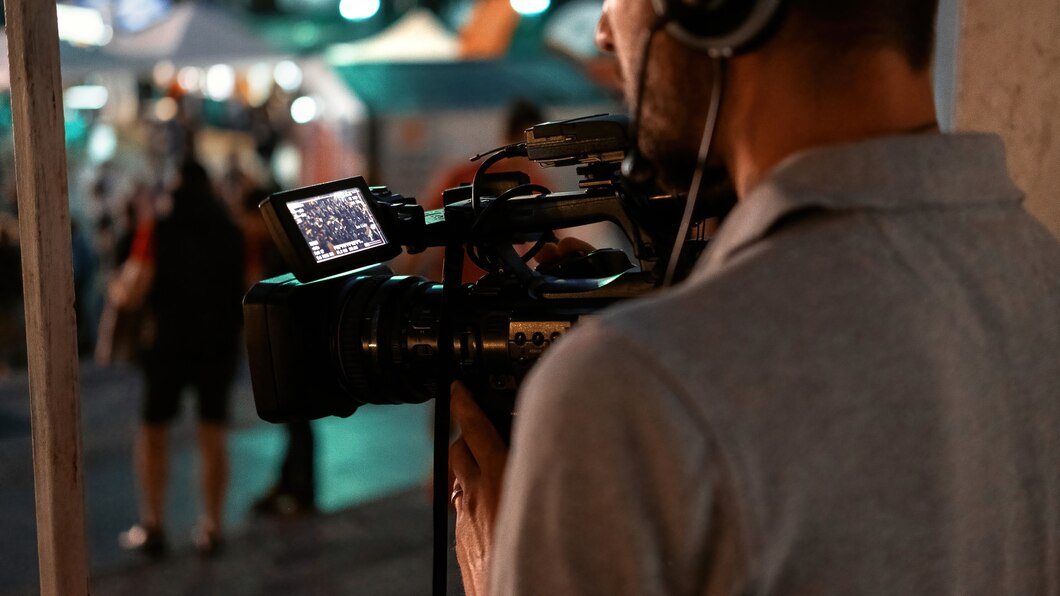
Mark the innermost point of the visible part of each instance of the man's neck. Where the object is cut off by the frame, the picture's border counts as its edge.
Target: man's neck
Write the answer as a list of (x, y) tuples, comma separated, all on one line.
[(774, 108)]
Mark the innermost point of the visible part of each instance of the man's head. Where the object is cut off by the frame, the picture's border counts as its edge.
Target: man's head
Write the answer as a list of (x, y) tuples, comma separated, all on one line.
[(845, 27), (825, 42)]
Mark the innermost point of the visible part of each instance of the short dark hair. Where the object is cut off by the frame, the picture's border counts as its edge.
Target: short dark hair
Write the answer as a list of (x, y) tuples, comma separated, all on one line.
[(845, 25)]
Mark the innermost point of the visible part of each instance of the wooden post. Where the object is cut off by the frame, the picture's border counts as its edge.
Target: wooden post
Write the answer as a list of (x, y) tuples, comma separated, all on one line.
[(47, 274)]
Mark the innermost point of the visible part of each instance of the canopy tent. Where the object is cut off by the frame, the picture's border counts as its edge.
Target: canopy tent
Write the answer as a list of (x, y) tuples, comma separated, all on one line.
[(312, 34), (193, 34), (75, 62), (396, 88), (418, 36)]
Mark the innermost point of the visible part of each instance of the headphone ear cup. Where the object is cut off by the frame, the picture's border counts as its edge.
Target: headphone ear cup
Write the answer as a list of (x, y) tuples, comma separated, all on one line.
[(721, 27)]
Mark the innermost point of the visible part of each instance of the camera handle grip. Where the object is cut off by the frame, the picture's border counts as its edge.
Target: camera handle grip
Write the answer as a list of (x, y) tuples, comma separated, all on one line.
[(627, 284)]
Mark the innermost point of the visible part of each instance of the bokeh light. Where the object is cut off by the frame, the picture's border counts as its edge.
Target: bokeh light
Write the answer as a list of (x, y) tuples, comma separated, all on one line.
[(304, 109), (530, 7), (358, 10), (288, 76), (220, 82)]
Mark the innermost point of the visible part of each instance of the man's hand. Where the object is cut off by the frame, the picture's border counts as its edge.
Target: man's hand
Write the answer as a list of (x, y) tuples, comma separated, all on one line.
[(476, 464), (566, 247)]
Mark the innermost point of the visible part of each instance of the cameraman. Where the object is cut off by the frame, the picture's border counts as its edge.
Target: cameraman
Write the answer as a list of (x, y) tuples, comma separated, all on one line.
[(854, 392)]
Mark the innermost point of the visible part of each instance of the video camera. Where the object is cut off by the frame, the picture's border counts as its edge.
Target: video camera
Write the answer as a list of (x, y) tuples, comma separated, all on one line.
[(342, 330)]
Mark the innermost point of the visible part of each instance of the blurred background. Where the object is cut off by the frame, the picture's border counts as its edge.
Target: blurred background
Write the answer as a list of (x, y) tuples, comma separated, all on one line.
[(265, 94), (270, 94)]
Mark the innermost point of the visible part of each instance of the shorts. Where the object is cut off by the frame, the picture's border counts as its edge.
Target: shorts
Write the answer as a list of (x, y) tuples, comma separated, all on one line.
[(167, 377)]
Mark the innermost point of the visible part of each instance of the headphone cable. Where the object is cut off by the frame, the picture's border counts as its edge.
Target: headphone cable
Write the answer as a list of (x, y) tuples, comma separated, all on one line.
[(709, 128)]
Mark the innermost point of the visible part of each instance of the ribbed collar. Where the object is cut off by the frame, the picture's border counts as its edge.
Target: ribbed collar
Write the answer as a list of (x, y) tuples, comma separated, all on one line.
[(904, 172)]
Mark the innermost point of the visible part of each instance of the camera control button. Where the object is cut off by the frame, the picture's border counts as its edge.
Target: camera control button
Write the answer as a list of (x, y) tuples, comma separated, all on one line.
[(520, 338), (538, 338), (555, 335)]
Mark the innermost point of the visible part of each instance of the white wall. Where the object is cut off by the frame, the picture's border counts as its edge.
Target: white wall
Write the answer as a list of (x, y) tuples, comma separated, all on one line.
[(1008, 82), (948, 31)]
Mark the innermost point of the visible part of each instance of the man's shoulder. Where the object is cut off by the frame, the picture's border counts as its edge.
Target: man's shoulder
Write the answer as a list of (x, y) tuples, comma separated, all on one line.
[(759, 290), (725, 322), (661, 337)]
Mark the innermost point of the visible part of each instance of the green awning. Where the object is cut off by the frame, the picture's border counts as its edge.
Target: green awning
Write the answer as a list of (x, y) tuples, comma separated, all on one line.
[(425, 87)]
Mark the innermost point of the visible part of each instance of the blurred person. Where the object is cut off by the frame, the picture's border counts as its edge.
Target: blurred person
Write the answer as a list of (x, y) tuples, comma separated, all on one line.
[(187, 269), (12, 323), (294, 491), (85, 264), (12, 314), (124, 330), (855, 391), (235, 183)]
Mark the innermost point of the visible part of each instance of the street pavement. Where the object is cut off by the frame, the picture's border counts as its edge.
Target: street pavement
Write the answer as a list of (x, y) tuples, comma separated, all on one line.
[(372, 536)]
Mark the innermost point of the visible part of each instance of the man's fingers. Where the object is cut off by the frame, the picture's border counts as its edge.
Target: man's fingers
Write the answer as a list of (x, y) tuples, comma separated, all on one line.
[(463, 468), (550, 253), (482, 439), (570, 245)]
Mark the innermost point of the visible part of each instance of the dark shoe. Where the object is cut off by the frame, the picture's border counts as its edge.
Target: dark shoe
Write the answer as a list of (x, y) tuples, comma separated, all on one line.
[(150, 542), (277, 503), (209, 544)]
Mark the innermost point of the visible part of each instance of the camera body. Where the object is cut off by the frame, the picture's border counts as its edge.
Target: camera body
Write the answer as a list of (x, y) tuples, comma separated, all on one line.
[(342, 330)]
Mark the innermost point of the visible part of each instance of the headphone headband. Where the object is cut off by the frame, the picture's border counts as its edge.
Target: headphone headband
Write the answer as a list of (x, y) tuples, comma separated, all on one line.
[(720, 27)]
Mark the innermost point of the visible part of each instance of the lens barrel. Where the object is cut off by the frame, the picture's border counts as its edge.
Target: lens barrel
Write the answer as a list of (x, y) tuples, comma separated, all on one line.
[(388, 339)]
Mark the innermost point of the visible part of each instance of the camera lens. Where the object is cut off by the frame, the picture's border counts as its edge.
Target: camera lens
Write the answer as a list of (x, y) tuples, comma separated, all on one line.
[(387, 341)]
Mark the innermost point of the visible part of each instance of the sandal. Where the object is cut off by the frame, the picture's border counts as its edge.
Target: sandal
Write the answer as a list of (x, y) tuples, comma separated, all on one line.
[(209, 544), (145, 540)]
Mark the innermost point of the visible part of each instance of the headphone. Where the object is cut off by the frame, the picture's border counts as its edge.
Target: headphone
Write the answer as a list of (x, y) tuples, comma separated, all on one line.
[(722, 28)]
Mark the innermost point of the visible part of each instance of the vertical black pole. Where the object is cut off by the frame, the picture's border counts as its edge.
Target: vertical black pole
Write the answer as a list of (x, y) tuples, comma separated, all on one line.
[(441, 485), (452, 274)]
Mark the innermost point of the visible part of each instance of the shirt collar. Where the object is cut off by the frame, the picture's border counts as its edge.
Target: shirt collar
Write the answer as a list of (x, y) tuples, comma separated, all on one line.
[(893, 173)]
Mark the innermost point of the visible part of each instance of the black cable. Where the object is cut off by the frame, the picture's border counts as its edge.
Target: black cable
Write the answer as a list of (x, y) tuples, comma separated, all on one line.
[(709, 128), (517, 191), (477, 259), (544, 239), (474, 251), (513, 150), (495, 155)]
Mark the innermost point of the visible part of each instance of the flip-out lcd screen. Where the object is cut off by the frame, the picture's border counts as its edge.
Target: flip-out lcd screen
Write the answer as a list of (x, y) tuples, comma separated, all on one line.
[(330, 228), (337, 224)]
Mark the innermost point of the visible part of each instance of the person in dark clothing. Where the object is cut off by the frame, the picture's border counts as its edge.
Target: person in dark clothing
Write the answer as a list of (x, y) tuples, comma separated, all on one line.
[(188, 270), (12, 325)]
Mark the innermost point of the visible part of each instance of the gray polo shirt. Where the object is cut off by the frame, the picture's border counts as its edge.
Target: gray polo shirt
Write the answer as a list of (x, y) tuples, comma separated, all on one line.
[(856, 392)]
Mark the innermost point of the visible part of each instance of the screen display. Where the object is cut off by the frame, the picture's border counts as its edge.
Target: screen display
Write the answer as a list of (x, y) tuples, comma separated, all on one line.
[(337, 224)]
